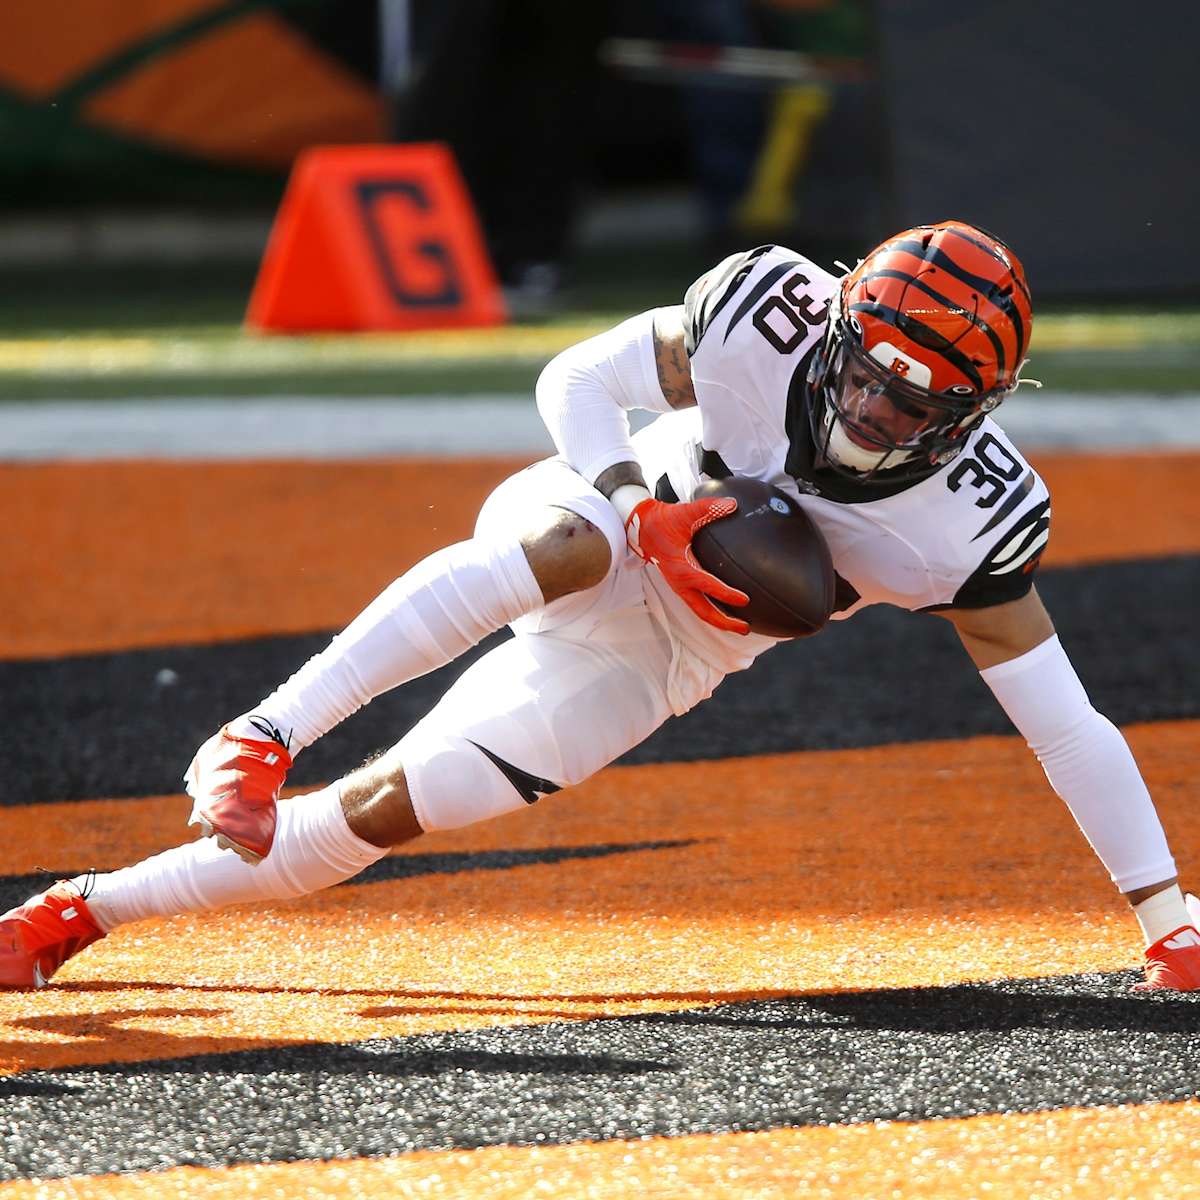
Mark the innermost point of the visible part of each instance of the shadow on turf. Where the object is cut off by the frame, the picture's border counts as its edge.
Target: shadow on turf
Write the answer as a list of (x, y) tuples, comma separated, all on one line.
[(160, 1052), (1030, 1008), (1081, 1003), (699, 997), (1100, 1001)]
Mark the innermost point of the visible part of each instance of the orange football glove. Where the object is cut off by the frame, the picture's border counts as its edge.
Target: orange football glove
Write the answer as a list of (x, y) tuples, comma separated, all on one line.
[(661, 534)]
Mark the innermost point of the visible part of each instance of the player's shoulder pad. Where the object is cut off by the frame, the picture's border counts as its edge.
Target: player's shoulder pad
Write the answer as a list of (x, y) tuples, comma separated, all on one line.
[(1014, 515), (705, 299)]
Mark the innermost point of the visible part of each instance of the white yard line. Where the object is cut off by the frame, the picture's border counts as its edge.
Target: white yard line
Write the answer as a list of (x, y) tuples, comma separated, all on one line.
[(333, 427)]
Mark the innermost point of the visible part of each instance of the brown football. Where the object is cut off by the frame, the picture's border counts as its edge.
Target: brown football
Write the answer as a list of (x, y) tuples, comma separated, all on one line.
[(771, 550)]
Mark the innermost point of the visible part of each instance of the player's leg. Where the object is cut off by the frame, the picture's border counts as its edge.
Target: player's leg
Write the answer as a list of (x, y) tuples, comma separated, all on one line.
[(537, 545), (316, 844), (436, 611), (536, 714), (314, 848)]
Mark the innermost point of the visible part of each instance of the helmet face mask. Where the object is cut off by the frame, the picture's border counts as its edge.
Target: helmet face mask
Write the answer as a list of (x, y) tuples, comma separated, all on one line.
[(927, 336), (895, 421)]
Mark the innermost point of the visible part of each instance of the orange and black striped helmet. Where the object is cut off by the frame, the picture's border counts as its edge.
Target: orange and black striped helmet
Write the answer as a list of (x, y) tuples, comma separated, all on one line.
[(930, 332)]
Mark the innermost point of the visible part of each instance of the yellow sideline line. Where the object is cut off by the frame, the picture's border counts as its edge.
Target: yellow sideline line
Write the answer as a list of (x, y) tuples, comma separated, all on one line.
[(226, 350), (232, 351)]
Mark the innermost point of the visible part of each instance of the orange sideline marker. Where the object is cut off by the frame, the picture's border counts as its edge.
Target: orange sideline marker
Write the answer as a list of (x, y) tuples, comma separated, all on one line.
[(375, 237)]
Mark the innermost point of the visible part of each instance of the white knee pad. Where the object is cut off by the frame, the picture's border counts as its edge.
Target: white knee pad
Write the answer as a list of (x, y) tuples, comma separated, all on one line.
[(453, 782)]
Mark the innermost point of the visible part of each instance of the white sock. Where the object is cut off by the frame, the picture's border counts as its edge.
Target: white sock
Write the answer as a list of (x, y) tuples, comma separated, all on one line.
[(314, 848), (255, 727), (442, 607), (1162, 913)]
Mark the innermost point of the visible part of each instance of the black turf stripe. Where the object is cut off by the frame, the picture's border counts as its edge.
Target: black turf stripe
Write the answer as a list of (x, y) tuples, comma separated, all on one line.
[(99, 725), (757, 292), (916, 1054), (925, 336), (940, 258), (973, 317), (1010, 502)]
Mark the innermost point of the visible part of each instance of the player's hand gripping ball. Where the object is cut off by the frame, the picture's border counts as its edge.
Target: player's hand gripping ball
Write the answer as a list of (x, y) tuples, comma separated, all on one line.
[(771, 550), (661, 533)]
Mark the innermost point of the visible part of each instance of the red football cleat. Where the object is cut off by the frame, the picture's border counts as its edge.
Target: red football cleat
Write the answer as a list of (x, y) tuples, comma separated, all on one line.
[(234, 783), (37, 937), (1173, 963)]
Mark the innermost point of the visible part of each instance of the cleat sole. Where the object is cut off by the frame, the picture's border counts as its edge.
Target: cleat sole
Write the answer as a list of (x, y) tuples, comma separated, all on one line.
[(223, 841), (246, 855)]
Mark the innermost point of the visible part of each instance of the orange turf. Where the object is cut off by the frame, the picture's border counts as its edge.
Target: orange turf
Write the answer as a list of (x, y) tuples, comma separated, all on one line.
[(105, 556), (1130, 1153)]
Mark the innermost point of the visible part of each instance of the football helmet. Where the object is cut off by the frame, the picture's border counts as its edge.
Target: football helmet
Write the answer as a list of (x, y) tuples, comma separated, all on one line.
[(927, 334)]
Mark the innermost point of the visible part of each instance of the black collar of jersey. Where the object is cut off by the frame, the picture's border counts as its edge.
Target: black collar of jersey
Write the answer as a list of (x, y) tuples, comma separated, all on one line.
[(800, 463)]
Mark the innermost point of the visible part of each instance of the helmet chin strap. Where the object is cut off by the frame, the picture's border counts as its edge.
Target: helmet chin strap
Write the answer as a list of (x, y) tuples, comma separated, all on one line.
[(847, 454)]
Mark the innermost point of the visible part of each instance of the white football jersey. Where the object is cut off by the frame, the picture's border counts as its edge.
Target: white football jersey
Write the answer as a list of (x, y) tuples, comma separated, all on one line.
[(969, 535)]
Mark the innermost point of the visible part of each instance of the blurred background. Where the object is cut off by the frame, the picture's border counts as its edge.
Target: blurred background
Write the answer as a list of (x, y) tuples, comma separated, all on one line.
[(614, 150)]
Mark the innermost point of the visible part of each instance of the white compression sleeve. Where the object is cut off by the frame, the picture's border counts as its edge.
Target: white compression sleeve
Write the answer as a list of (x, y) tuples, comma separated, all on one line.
[(584, 395), (434, 612), (314, 848), (1087, 761)]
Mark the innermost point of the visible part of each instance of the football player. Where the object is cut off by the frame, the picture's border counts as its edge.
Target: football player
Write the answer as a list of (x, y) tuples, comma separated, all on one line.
[(867, 398)]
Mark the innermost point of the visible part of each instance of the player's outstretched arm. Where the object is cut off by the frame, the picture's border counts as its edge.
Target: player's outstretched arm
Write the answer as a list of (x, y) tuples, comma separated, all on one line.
[(1090, 766)]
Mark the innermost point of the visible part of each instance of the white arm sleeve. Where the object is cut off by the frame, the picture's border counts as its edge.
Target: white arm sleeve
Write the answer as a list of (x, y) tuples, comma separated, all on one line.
[(1087, 761), (584, 395)]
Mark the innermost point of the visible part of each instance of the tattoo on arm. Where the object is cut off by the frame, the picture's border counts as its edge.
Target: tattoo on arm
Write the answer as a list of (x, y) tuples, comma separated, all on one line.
[(675, 378), (674, 370), (617, 476)]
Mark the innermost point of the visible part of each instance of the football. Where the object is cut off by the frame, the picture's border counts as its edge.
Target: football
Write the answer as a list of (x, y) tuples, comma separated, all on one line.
[(771, 550)]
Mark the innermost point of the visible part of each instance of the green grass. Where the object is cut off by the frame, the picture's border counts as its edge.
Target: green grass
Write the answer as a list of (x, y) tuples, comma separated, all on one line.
[(474, 379), (1155, 370)]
